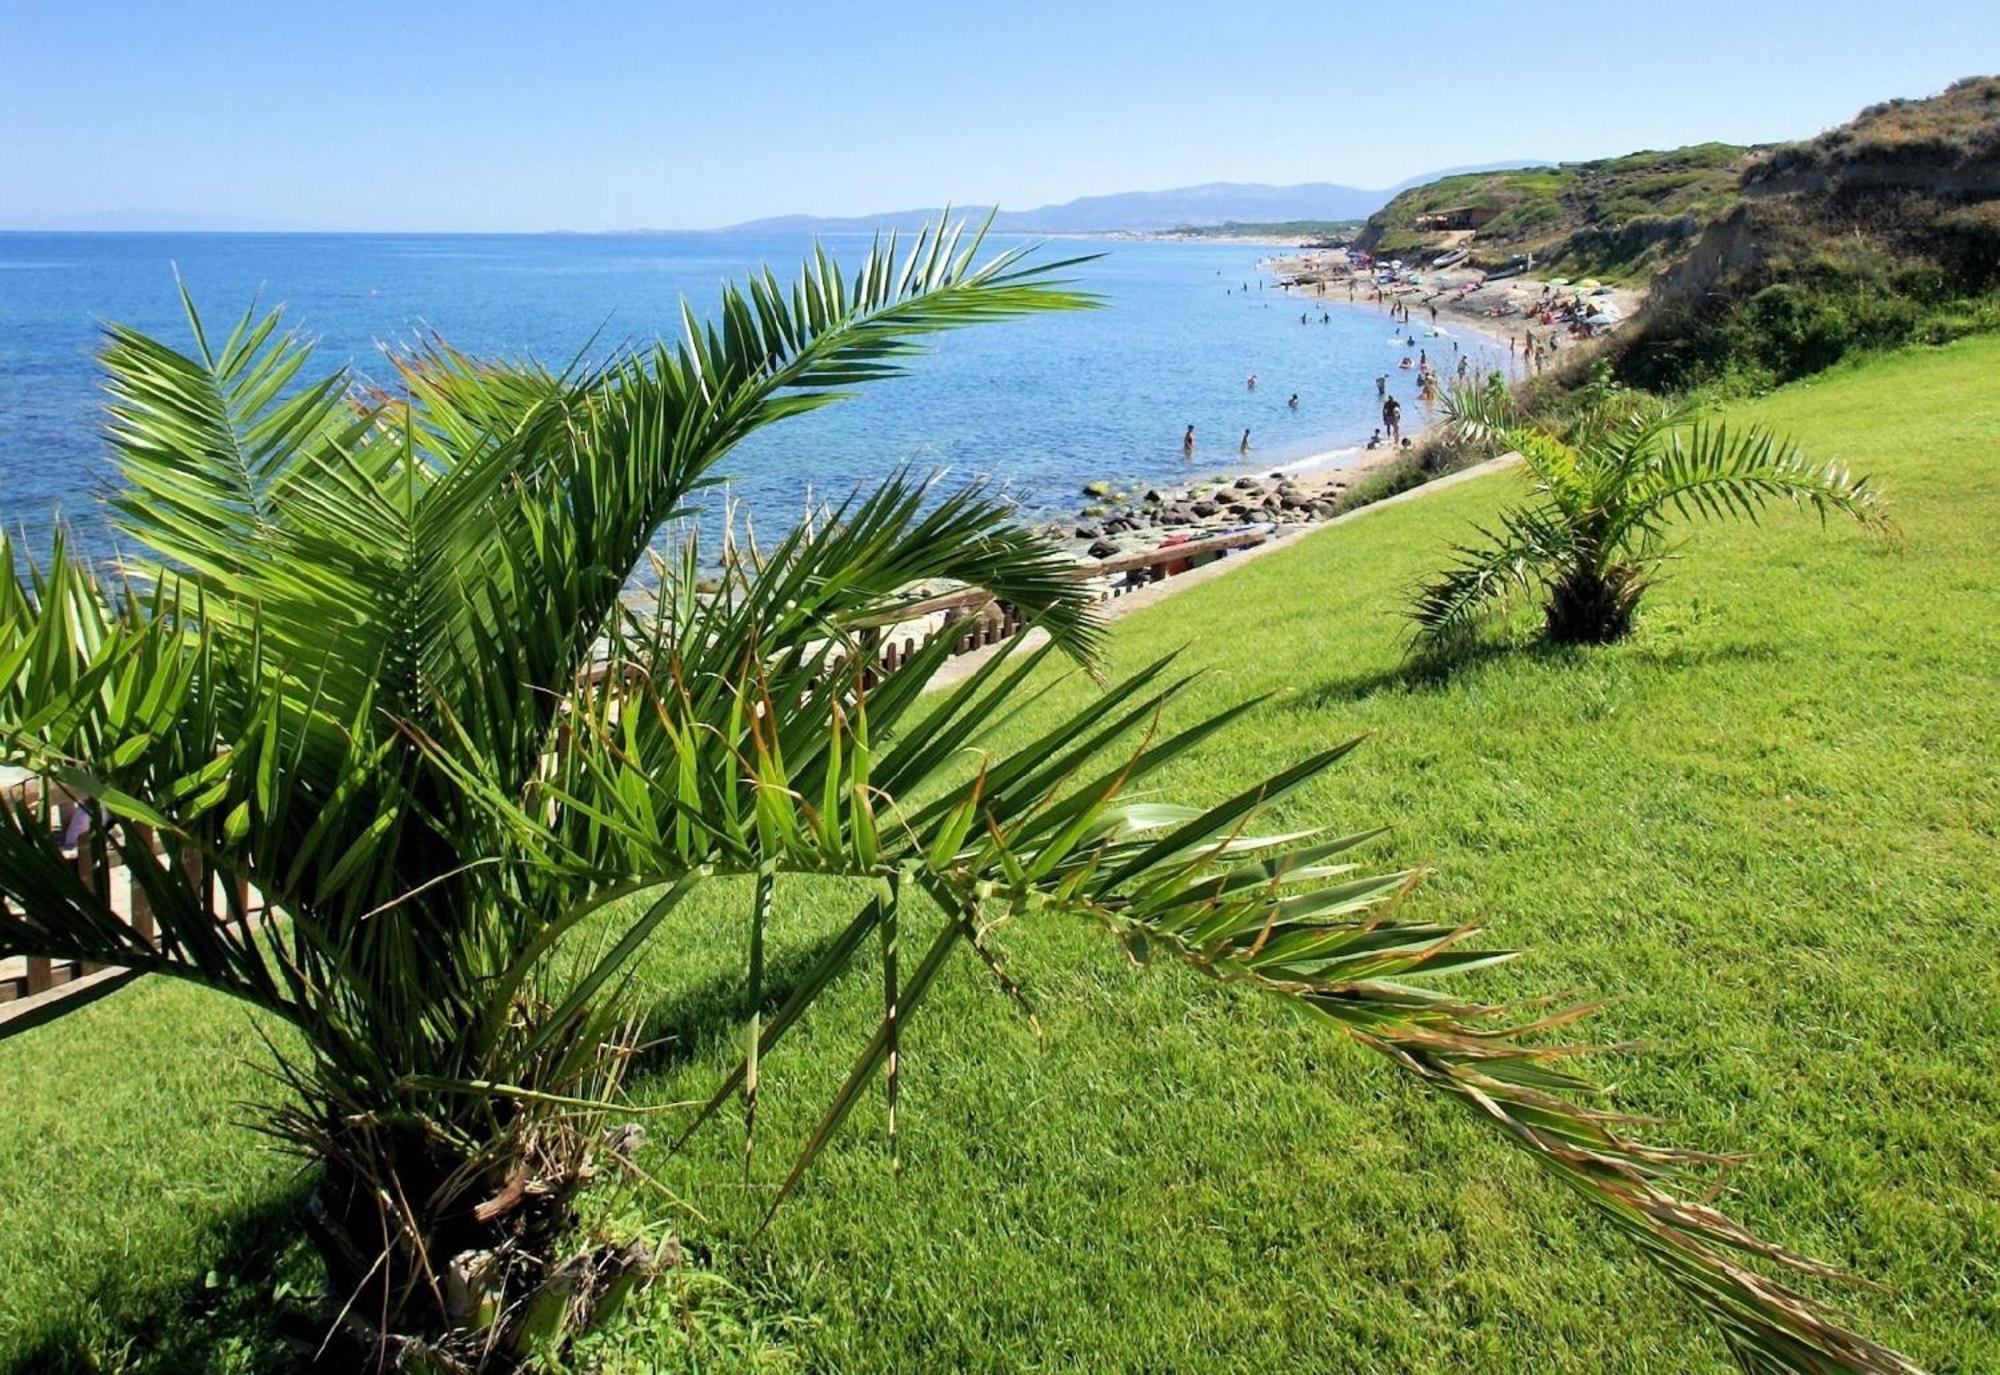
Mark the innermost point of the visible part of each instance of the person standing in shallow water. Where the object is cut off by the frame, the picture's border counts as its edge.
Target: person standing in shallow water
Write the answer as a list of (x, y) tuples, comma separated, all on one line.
[(1244, 447), (1187, 443), (1392, 419), (1294, 402)]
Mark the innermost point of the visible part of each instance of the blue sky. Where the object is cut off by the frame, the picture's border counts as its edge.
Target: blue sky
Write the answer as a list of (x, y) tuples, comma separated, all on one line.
[(609, 114)]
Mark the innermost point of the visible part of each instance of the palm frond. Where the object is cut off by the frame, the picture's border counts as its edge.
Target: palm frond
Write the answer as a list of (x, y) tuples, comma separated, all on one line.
[(1710, 472), (382, 674), (1530, 545), (1609, 483)]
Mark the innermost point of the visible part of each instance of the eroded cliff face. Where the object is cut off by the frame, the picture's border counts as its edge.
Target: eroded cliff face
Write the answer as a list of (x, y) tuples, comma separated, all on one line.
[(1728, 249), (1956, 181)]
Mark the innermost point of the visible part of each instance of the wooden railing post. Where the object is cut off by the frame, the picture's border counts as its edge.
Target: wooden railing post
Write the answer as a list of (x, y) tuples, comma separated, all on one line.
[(141, 845)]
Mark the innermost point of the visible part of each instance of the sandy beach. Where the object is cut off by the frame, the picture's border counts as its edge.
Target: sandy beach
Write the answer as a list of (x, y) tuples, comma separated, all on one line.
[(1500, 308)]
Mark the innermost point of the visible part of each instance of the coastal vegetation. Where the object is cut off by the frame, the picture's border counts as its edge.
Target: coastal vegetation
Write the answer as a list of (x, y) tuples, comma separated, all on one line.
[(1615, 218), (1607, 485), (1763, 264), (1407, 1244), (381, 674)]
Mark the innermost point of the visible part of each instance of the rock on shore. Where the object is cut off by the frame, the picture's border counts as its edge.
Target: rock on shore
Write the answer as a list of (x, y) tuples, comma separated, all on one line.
[(1128, 522)]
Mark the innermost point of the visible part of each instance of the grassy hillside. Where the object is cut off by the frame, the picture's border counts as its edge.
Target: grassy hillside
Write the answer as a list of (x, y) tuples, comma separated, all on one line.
[(1879, 232), (1617, 217), (1958, 129), (1764, 829), (1766, 264)]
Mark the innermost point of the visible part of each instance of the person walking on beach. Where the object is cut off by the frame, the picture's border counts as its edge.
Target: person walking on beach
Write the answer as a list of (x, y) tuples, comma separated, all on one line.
[(1244, 447), (1392, 420), (1187, 443)]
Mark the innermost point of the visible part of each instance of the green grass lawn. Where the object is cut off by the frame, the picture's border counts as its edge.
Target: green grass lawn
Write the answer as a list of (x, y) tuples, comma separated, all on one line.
[(1763, 829)]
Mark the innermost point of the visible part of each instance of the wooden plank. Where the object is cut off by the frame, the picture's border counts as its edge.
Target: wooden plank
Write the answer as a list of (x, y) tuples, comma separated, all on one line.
[(24, 1013), (972, 598)]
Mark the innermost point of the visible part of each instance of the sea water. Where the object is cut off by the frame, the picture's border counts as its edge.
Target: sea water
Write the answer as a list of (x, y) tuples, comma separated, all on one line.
[(1043, 405)]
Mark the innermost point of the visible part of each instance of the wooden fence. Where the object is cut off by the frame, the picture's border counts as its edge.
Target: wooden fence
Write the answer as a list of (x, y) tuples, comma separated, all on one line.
[(34, 988), (981, 620)]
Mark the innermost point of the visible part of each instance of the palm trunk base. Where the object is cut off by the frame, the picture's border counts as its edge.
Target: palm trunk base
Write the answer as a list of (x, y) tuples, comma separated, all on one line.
[(475, 1286), (1588, 608)]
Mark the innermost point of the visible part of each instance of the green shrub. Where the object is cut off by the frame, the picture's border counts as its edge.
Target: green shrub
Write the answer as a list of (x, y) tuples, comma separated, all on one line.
[(1793, 331)]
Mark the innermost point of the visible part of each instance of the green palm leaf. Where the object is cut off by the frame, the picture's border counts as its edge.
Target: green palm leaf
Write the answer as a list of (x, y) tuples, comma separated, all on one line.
[(1607, 483), (381, 673)]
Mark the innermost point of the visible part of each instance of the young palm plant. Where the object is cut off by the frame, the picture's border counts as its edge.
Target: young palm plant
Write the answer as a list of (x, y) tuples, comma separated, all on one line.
[(1607, 485), (378, 668)]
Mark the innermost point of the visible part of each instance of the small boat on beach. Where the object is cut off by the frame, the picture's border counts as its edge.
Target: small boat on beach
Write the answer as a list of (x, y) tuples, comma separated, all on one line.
[(1451, 259)]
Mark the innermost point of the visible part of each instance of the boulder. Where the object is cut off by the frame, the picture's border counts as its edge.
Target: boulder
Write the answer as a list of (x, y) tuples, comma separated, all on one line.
[(1104, 549), (1085, 530), (1205, 508)]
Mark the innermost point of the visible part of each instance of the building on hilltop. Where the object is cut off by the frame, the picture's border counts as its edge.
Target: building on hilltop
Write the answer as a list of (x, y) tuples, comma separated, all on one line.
[(1458, 217)]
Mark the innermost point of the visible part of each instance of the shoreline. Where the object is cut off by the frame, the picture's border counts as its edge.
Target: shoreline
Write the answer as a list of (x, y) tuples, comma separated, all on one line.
[(1300, 492), (963, 666), (1468, 295)]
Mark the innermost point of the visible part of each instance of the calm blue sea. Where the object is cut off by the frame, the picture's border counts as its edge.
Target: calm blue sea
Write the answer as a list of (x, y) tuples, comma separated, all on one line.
[(1045, 405)]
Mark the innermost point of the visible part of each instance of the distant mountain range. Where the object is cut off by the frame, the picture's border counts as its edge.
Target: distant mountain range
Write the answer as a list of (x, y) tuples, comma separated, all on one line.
[(1217, 202)]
